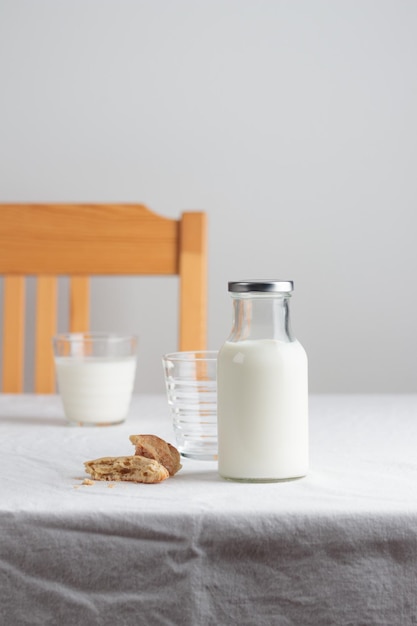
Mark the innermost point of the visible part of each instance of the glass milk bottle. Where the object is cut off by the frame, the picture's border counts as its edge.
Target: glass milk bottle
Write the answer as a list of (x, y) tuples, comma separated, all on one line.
[(262, 388)]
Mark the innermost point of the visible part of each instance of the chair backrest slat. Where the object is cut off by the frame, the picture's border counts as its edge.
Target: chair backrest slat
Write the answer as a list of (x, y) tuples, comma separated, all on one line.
[(13, 333), (45, 328), (79, 315)]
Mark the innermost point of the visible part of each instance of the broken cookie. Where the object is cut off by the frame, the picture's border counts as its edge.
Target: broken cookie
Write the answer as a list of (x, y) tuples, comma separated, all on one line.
[(153, 447), (135, 468)]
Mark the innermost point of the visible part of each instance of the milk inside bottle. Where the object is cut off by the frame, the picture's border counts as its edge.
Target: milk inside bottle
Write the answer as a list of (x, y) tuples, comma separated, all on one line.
[(262, 388)]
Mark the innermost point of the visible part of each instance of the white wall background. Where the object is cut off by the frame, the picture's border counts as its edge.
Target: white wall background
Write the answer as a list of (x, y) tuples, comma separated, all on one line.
[(292, 123)]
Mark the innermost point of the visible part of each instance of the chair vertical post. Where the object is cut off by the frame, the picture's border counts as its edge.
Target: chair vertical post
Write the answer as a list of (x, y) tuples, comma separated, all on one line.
[(13, 334), (193, 281)]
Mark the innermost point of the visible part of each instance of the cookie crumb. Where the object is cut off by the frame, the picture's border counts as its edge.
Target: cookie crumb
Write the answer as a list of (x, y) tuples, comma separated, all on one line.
[(88, 481), (111, 486)]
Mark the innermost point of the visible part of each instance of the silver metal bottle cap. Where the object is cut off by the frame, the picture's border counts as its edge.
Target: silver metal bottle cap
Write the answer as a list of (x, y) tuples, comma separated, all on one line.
[(266, 286)]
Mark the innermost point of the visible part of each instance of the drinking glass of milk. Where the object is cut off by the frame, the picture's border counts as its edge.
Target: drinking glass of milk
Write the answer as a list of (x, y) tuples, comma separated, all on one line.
[(262, 388), (95, 373)]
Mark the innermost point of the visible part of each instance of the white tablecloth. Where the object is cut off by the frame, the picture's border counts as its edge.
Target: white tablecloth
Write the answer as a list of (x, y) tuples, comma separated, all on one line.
[(337, 547)]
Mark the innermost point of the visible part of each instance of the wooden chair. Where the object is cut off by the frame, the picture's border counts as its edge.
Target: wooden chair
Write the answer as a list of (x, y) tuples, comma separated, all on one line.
[(81, 240)]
